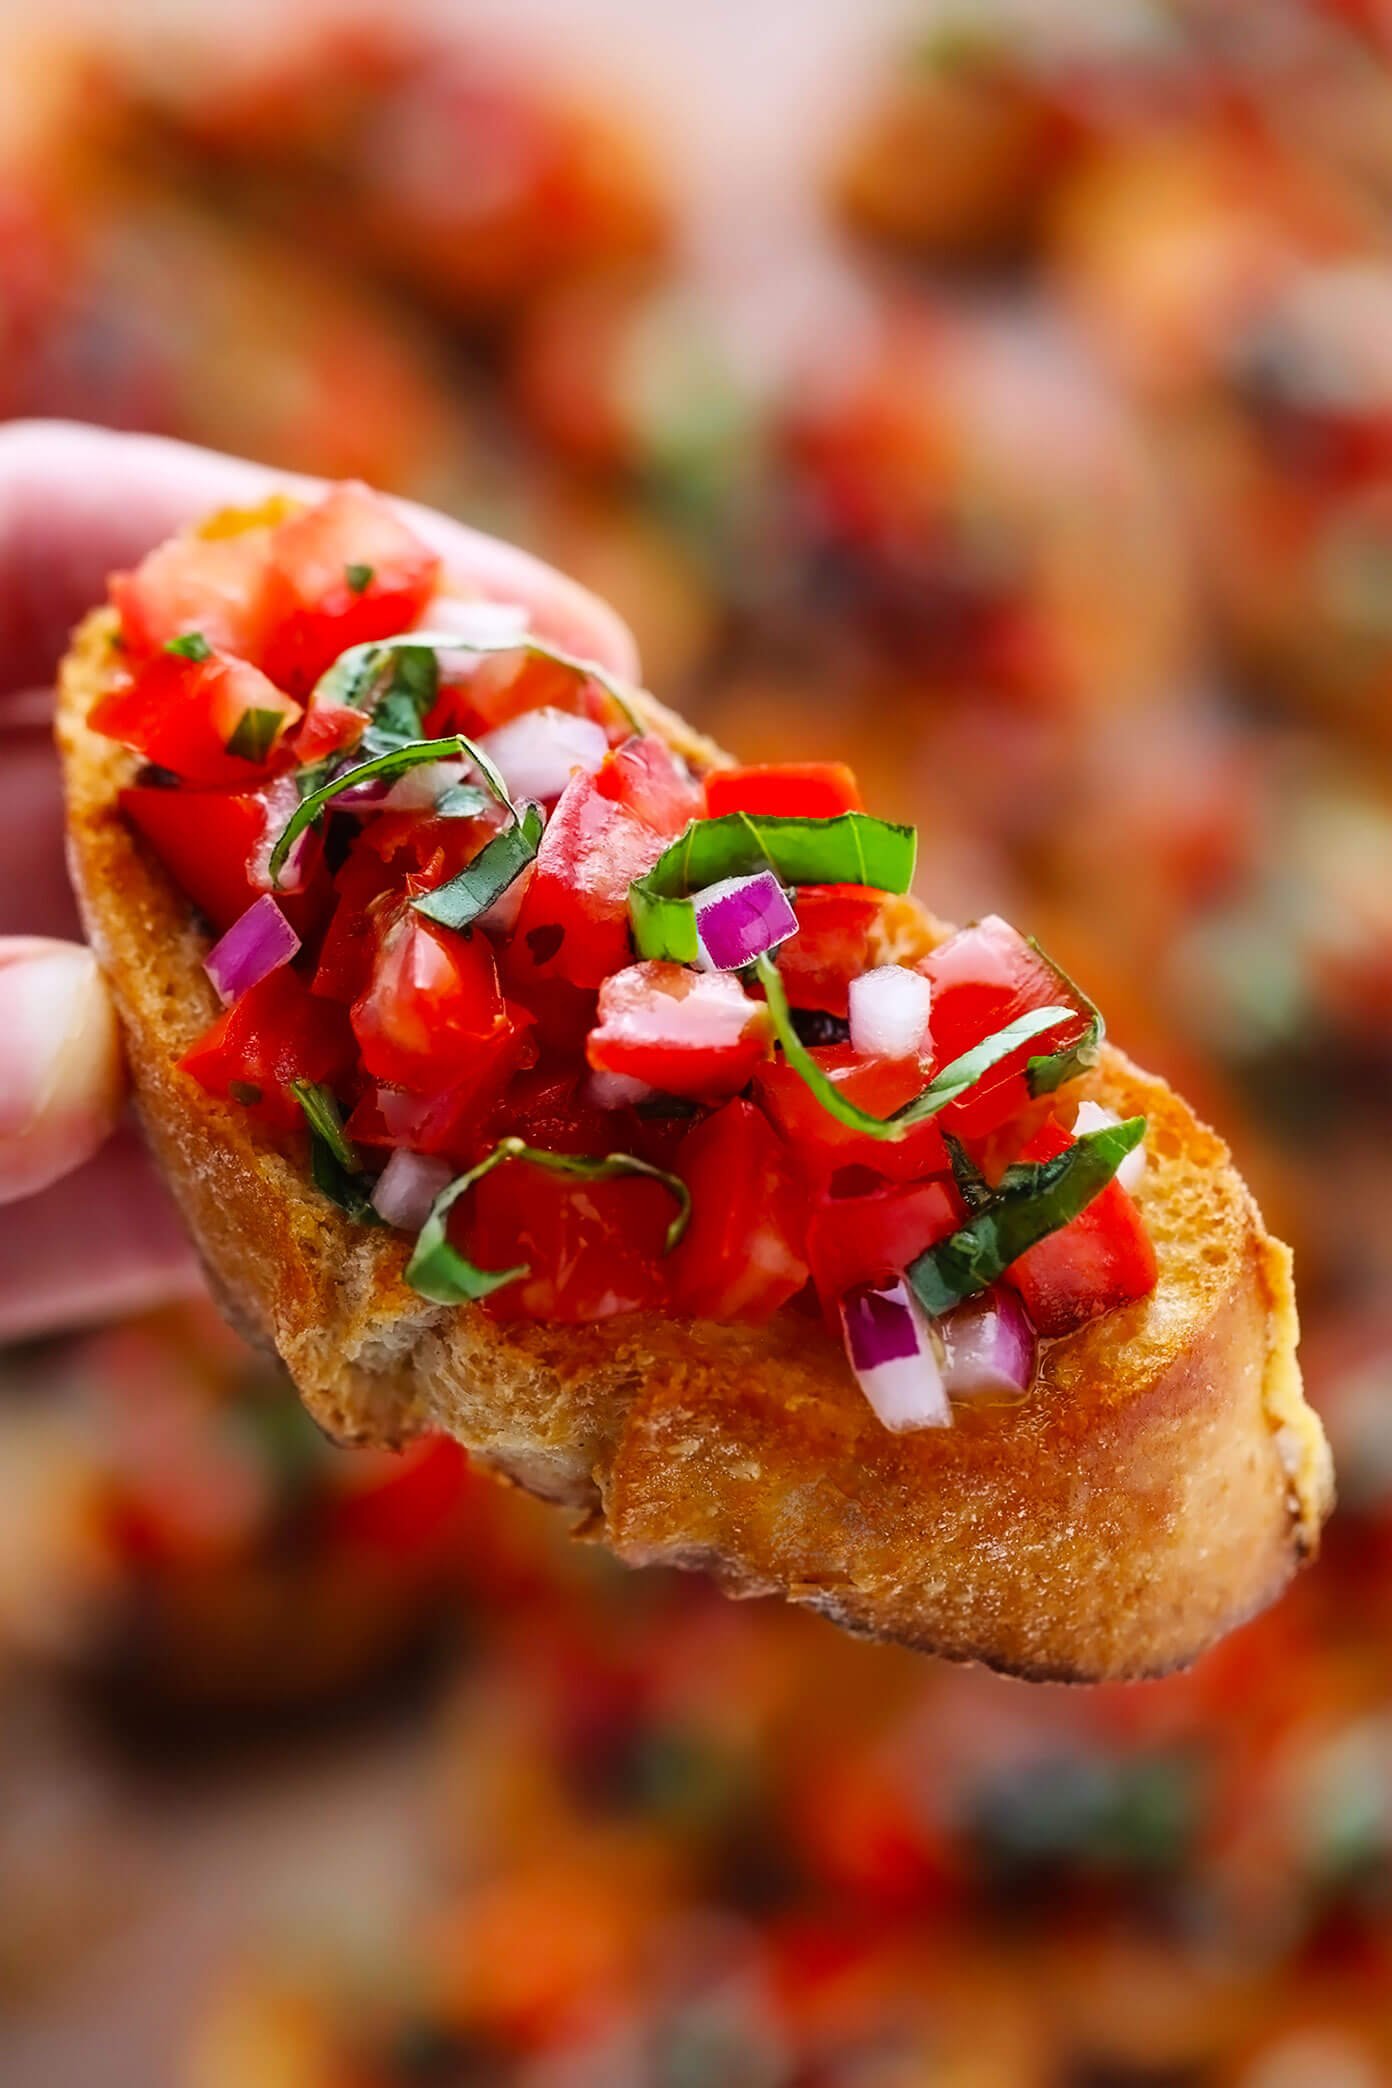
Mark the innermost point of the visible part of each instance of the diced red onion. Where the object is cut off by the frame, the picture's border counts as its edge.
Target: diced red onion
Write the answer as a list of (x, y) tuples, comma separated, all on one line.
[(280, 799), (256, 943), (616, 1090), (418, 789), (739, 918), (889, 1011), (1093, 1117), (990, 1347), (363, 798), (893, 1351), (540, 751), (407, 1187)]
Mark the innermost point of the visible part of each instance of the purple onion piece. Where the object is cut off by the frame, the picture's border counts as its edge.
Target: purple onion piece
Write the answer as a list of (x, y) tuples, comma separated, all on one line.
[(407, 1187), (990, 1347), (253, 947), (893, 1351), (739, 919)]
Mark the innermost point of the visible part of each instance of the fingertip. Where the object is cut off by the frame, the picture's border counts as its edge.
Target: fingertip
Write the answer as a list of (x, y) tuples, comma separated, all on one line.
[(61, 1076)]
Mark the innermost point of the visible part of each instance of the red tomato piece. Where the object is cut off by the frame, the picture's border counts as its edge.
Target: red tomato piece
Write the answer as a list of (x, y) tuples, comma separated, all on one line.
[(831, 947), (505, 685), (785, 789), (983, 978), (212, 585), (342, 573), (742, 1255), (432, 1007), (591, 1249), (328, 728), (645, 777), (450, 1122), (404, 1505), (1105, 1258), (872, 1239), (274, 1034), (206, 839), (187, 716), (823, 1145), (688, 1033), (607, 830)]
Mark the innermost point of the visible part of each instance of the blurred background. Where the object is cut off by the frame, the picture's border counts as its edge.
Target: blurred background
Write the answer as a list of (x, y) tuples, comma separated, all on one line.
[(998, 397)]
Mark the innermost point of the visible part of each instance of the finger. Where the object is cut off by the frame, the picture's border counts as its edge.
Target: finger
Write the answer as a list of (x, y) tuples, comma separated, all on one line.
[(77, 502), (61, 1081), (35, 895), (104, 1242)]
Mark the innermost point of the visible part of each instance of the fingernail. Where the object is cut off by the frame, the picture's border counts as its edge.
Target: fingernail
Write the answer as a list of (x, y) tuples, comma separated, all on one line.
[(60, 1076)]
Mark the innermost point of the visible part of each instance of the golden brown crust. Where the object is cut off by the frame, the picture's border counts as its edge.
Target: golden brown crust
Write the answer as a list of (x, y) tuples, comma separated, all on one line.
[(1163, 1481)]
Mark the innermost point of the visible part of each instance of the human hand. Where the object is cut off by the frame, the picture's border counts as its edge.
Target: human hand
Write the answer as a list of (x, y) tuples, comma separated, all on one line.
[(85, 1228)]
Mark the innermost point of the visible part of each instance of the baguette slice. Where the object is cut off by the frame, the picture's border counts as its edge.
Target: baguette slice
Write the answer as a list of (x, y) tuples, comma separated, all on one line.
[(1162, 1483)]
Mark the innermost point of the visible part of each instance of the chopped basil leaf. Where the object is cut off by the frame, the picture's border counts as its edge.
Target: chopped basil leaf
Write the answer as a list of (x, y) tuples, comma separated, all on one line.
[(359, 577), (1051, 1070), (972, 1185), (255, 734), (394, 763), (191, 646), (498, 864), (356, 675), (333, 1159), (946, 1086), (322, 1116), (440, 1272), (852, 848), (1035, 1198)]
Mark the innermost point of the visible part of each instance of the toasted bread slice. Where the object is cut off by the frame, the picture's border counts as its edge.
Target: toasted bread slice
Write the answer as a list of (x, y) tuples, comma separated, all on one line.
[(1162, 1482)]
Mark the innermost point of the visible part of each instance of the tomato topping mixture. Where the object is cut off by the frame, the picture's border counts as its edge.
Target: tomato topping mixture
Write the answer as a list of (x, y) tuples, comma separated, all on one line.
[(583, 1004)]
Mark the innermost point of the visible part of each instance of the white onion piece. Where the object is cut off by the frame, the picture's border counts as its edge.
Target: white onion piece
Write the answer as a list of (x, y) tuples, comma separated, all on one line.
[(281, 799), (480, 622), (1093, 1117), (889, 1011), (407, 1187), (256, 944), (739, 918), (990, 1347), (893, 1351), (539, 752), (418, 789), (616, 1090)]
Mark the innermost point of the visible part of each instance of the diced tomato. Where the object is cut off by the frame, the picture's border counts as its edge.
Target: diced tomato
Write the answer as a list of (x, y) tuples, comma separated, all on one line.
[(449, 1121), (342, 573), (742, 1255), (506, 684), (607, 830), (823, 1145), (873, 1238), (1105, 1258), (591, 1249), (432, 1006), (328, 728), (212, 585), (206, 839), (188, 716), (983, 978), (688, 1033), (831, 947), (645, 776), (274, 1034), (785, 789)]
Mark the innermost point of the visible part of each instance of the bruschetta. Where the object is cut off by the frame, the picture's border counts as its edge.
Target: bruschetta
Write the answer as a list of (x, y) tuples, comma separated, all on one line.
[(528, 1070)]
